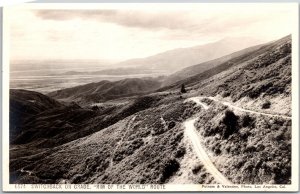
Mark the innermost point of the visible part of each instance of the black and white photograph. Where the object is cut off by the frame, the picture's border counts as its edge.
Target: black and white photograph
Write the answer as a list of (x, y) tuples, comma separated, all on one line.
[(151, 97)]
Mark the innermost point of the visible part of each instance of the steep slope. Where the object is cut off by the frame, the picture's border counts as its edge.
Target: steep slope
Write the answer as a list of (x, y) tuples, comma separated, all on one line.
[(224, 63), (200, 68), (106, 90), (264, 73), (174, 60)]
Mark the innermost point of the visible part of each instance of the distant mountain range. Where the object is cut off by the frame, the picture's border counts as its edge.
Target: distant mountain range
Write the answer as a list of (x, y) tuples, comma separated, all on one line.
[(173, 60)]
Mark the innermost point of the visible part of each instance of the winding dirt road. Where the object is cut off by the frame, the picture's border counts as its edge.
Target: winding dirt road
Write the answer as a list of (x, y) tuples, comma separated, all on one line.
[(191, 133), (197, 100), (246, 110), (201, 153)]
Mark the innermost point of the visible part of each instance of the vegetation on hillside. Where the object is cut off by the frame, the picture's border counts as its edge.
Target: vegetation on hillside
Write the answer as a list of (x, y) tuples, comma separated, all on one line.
[(248, 149)]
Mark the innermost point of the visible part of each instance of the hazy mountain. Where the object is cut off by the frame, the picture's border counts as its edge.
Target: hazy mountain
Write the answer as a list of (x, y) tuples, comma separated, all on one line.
[(174, 60)]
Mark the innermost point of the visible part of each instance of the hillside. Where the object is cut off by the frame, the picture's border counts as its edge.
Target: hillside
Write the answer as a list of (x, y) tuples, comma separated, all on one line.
[(246, 128), (261, 74), (195, 74), (106, 90), (232, 126), (58, 125), (203, 67)]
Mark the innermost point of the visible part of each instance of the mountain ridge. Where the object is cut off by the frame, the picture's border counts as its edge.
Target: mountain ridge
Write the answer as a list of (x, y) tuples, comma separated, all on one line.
[(186, 75), (106, 90), (173, 60)]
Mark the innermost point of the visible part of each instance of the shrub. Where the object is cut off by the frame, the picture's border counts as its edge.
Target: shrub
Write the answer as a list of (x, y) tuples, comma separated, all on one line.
[(171, 124), (230, 120), (216, 148), (169, 168), (248, 121), (158, 128), (266, 105), (180, 152), (95, 108), (225, 94), (183, 90), (250, 149), (197, 169), (244, 133), (175, 139)]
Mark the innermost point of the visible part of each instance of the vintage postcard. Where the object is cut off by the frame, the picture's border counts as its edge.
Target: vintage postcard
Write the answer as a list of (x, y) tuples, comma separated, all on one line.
[(150, 97)]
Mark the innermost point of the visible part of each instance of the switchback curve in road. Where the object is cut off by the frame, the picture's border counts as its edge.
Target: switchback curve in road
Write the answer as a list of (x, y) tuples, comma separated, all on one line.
[(191, 133)]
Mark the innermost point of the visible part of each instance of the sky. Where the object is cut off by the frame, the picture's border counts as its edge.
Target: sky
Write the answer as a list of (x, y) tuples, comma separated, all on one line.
[(117, 33)]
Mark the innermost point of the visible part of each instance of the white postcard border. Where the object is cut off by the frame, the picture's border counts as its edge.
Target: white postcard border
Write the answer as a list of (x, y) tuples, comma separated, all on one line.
[(146, 187)]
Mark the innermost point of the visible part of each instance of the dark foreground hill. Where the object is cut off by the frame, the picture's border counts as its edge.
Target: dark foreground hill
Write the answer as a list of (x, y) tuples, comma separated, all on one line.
[(60, 124), (24, 104), (106, 90), (143, 139)]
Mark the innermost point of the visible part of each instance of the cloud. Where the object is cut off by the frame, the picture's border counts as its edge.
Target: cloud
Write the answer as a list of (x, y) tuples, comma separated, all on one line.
[(177, 22), (128, 18), (121, 34), (70, 14)]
